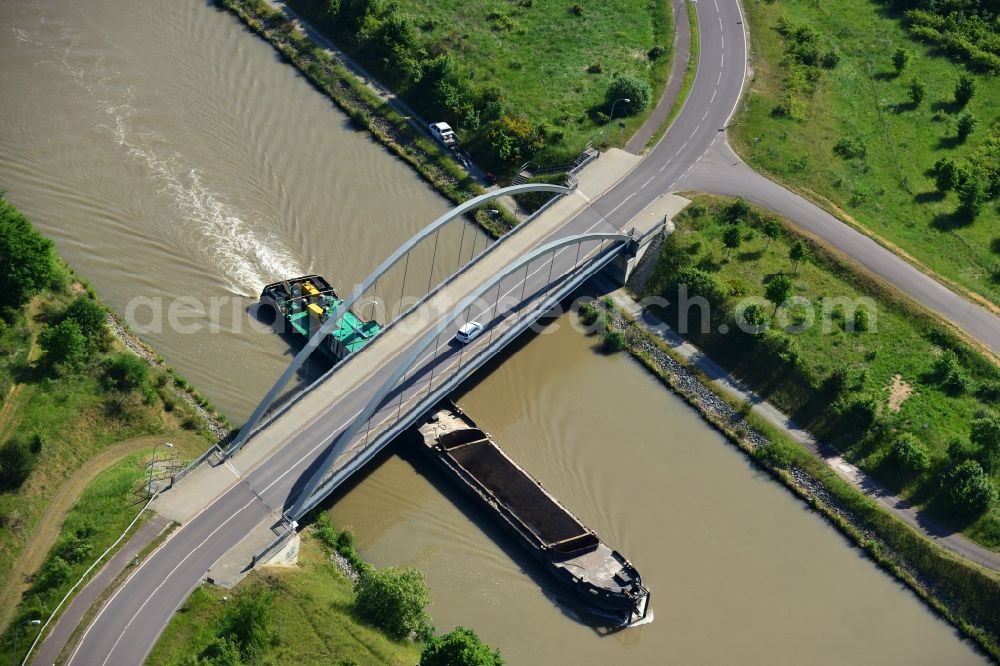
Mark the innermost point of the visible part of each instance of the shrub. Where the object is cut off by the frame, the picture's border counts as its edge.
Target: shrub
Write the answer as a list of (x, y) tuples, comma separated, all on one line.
[(54, 573), (989, 391), (775, 454), (588, 313), (964, 89), (626, 86), (900, 58), (459, 647), (655, 52), (393, 600), (63, 344), (861, 319), (850, 147), (945, 364), (908, 454), (918, 91), (966, 489), (829, 59), (246, 622), (614, 340), (985, 434), (595, 68), (700, 283), (126, 372)]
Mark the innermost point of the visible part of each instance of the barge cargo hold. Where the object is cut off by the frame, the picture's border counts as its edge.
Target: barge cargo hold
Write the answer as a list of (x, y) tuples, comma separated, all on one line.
[(600, 577), (304, 303)]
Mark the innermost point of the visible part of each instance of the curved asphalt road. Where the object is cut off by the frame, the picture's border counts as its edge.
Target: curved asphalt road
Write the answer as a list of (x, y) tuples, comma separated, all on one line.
[(693, 155)]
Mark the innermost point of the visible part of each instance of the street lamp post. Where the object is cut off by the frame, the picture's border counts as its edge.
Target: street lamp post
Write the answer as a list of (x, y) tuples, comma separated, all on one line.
[(152, 464), (17, 632), (623, 99)]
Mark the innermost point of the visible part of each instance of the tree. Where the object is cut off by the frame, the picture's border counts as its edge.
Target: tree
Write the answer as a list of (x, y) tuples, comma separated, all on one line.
[(393, 600), (27, 262), (945, 172), (985, 434), (89, 315), (918, 91), (908, 454), (754, 320), (738, 210), (332, 9), (771, 229), (63, 344), (626, 86), (971, 197), (798, 253), (964, 89), (732, 238), (967, 490), (17, 460), (779, 290), (900, 58), (459, 647), (966, 124)]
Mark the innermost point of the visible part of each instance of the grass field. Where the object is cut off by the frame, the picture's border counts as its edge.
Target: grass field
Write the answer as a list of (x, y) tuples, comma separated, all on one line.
[(312, 618), (551, 61), (72, 419), (830, 364), (862, 99)]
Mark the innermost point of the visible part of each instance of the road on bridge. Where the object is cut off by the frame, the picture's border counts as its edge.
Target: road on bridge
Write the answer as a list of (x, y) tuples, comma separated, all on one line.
[(693, 155)]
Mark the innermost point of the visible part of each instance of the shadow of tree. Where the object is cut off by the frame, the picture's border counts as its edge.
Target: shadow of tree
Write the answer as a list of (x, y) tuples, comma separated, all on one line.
[(930, 196), (950, 221)]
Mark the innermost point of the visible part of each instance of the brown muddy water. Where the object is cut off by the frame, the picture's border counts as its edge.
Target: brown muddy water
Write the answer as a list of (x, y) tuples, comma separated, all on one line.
[(172, 156)]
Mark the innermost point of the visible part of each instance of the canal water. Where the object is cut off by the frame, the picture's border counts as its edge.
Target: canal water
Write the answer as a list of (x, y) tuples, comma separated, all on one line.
[(178, 163)]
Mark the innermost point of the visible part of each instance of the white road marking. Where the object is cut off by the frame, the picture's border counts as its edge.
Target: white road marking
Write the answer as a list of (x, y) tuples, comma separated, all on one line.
[(714, 93), (647, 182)]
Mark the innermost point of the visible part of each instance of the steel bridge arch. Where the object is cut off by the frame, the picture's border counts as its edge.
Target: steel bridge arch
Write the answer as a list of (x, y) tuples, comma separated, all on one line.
[(348, 435), (361, 289)]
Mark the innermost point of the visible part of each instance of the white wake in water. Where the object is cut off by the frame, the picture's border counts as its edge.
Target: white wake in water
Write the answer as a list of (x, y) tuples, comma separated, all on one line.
[(206, 225)]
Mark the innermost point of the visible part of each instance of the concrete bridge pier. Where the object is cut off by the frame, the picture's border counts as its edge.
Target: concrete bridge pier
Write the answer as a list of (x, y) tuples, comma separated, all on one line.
[(648, 230)]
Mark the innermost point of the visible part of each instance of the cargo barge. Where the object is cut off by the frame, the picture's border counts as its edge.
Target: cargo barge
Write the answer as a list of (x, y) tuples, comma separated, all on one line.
[(304, 304), (600, 577)]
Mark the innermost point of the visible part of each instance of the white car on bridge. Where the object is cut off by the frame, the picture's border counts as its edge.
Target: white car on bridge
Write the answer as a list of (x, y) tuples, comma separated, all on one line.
[(469, 332)]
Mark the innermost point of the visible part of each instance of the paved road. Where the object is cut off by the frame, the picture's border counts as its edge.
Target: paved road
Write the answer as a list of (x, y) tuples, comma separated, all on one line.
[(693, 155)]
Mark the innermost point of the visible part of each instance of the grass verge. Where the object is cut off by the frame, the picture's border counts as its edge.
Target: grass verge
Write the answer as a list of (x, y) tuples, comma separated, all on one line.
[(312, 618), (690, 70), (853, 134)]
